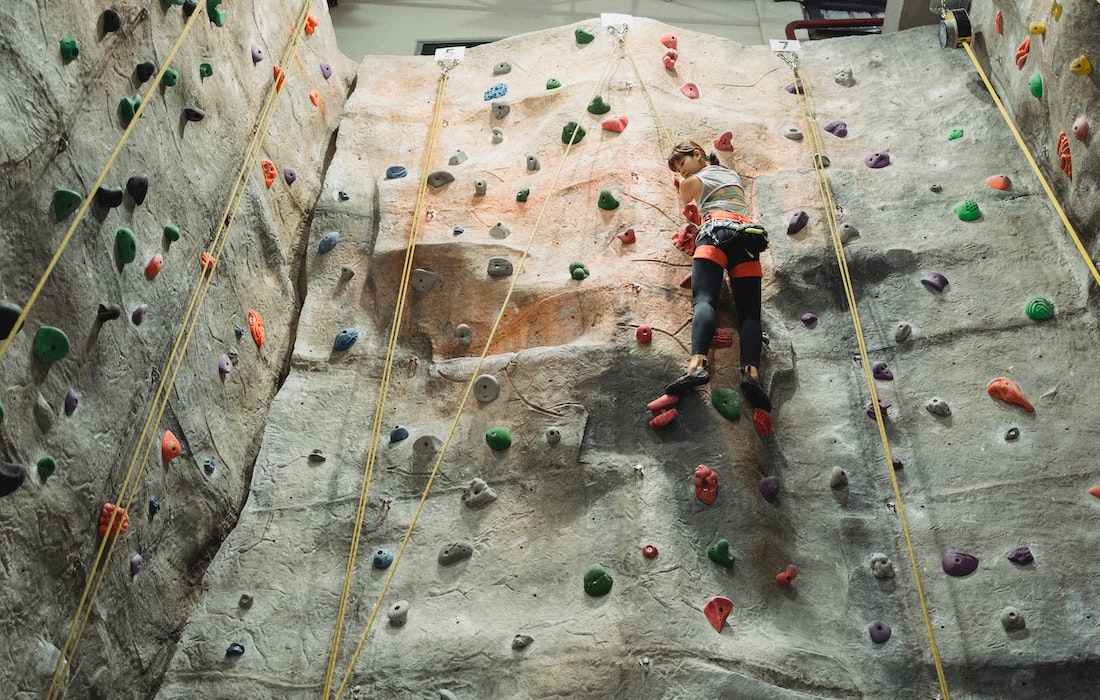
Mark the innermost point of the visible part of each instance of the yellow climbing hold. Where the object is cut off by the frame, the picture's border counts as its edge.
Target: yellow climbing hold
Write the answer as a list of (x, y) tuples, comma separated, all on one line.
[(1037, 28), (1056, 10), (1080, 66)]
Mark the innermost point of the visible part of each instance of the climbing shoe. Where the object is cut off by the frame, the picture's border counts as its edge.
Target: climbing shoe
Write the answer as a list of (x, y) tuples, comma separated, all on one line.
[(755, 393), (693, 378)]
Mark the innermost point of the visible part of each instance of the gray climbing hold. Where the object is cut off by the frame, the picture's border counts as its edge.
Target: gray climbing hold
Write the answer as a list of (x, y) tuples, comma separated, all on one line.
[(464, 334), (440, 178), (427, 445), (847, 232), (480, 187), (792, 133), (478, 494), (445, 694), (454, 552), (533, 163), (457, 158), (902, 332), (498, 134), (938, 407), (486, 388), (136, 563), (1012, 619), (138, 314), (879, 631), (553, 436), (881, 566), (522, 641), (936, 187), (496, 92), (821, 160), (500, 109), (844, 77), (398, 613), (43, 414), (345, 339), (499, 230), (328, 242), (499, 267), (423, 280), (838, 479), (502, 68)]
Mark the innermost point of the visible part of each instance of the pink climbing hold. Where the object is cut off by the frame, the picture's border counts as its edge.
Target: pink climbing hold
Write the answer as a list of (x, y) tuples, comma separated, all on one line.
[(627, 237), (784, 578), (706, 484), (690, 90), (616, 124), (717, 609), (1009, 391), (669, 59), (1094, 491), (662, 410), (724, 142), (1080, 128), (669, 40)]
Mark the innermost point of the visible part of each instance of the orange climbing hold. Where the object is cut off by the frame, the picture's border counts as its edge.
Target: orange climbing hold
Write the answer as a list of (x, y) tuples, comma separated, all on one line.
[(119, 526), (315, 98), (256, 326), (1095, 491), (1064, 160), (1021, 53), (269, 171), (998, 182), (154, 266), (1009, 391), (169, 446), (311, 24), (280, 78), (207, 261)]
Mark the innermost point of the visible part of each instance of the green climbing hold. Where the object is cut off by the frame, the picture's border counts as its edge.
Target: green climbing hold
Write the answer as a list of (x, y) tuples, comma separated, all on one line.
[(967, 210), (522, 195), (1035, 83), (578, 271), (568, 131), (574, 265), (171, 78), (172, 233), (583, 37), (727, 402), (498, 439), (47, 465), (955, 134), (174, 2), (205, 70), (719, 553), (553, 84), (607, 201), (598, 105), (597, 581), (126, 245), (128, 107), (1039, 309), (50, 344), (216, 14), (70, 49), (65, 202)]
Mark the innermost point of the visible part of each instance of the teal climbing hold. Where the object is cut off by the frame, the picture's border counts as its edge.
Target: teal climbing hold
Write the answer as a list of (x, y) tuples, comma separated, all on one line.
[(597, 581), (128, 107), (523, 194), (498, 439), (174, 2), (47, 465), (607, 201), (955, 134), (126, 245), (598, 105), (583, 37), (172, 233), (171, 78), (1039, 309), (727, 402), (205, 70), (50, 344), (1035, 84), (967, 210), (568, 131), (553, 84), (65, 202), (70, 49), (216, 14), (719, 553)]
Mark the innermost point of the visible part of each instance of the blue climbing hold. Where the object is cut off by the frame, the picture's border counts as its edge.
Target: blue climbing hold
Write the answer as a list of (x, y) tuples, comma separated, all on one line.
[(498, 90), (382, 559), (154, 507), (345, 339), (395, 171), (208, 466), (238, 331), (398, 433), (234, 649), (458, 230), (328, 242)]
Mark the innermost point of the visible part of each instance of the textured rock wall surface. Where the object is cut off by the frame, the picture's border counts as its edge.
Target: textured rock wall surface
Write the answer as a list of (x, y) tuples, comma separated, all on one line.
[(59, 122)]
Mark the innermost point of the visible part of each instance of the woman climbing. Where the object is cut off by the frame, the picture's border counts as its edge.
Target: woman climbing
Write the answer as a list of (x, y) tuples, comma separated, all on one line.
[(726, 241)]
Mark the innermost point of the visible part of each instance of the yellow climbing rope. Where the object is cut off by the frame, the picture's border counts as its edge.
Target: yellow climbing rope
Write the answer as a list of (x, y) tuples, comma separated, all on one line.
[(810, 129), (649, 98), (1034, 165), (95, 186), (107, 543), (465, 396)]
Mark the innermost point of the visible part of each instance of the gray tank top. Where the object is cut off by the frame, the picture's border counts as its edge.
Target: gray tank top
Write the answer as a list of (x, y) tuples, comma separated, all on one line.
[(722, 191)]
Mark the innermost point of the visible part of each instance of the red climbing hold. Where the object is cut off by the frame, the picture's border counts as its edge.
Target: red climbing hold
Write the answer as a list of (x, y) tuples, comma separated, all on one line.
[(999, 23), (207, 261), (1021, 53), (315, 98), (256, 326), (724, 142), (269, 171), (722, 339), (649, 551), (644, 334), (691, 213), (684, 238), (686, 282), (280, 78), (616, 124), (717, 609), (706, 484), (121, 523), (662, 410), (627, 237), (662, 419), (669, 40), (669, 59), (169, 446), (784, 578), (311, 24), (999, 182), (762, 421), (1095, 491), (1064, 160), (1009, 391), (154, 266)]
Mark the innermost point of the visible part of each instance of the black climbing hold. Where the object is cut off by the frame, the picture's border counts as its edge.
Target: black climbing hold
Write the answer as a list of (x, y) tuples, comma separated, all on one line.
[(111, 21), (145, 70), (154, 507), (9, 314), (1012, 434), (189, 8), (208, 467), (344, 196), (234, 648), (193, 114), (11, 477), (138, 187), (107, 313), (108, 197)]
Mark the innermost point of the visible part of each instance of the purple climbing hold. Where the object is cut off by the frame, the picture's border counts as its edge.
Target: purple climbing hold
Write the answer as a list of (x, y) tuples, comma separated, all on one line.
[(138, 315), (883, 404), (135, 565), (880, 371), (225, 365), (257, 53), (935, 280), (798, 221), (326, 70), (837, 128), (956, 563), (880, 631), (809, 319), (898, 464), (769, 488), (878, 159), (290, 175), (795, 87), (71, 401), (1021, 555)]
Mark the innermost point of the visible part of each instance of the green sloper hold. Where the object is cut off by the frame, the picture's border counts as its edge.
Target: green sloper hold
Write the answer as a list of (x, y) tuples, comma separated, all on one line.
[(727, 402), (567, 132), (47, 465), (955, 134), (205, 70), (719, 553), (128, 107), (171, 78), (50, 344), (1035, 83), (65, 202), (967, 210), (498, 439), (523, 194), (583, 37), (597, 581), (1039, 309), (172, 233), (553, 84), (70, 49), (598, 105), (126, 245), (216, 14), (607, 200)]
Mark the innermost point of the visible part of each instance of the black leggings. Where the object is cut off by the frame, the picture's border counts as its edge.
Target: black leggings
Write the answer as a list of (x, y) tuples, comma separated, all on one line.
[(706, 284)]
